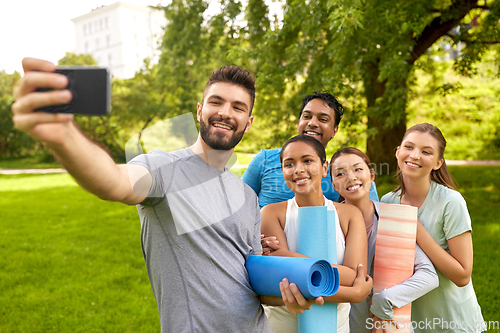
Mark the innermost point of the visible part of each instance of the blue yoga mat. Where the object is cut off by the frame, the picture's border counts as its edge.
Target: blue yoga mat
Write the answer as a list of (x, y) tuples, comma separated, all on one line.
[(313, 277), (317, 239)]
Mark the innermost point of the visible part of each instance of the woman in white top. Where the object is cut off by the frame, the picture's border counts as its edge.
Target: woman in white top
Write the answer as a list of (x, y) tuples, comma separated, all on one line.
[(303, 161), (352, 177)]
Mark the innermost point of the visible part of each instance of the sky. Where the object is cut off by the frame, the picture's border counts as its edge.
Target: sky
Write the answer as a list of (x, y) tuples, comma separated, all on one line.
[(42, 28)]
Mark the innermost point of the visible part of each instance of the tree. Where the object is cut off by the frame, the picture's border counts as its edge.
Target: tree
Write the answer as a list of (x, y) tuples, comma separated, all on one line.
[(196, 42), (369, 50), (185, 54), (73, 59), (363, 51), (13, 143)]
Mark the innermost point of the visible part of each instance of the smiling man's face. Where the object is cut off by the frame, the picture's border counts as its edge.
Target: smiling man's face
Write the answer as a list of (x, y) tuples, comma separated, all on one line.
[(224, 115), (318, 120)]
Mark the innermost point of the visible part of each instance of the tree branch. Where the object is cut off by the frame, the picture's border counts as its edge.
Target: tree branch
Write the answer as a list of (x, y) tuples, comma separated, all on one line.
[(437, 28)]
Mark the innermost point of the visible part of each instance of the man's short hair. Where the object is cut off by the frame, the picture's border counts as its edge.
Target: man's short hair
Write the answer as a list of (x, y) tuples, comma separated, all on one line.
[(233, 74), (327, 98)]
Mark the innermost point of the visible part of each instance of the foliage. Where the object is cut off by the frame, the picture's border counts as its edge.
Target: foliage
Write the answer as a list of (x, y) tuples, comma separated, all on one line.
[(362, 51), (185, 53), (13, 143), (73, 59), (372, 54), (467, 110), (196, 42)]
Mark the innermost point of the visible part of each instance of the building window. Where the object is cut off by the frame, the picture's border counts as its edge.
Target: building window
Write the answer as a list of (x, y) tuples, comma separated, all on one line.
[(108, 40), (85, 30), (106, 22), (97, 44), (90, 28), (87, 47), (110, 60), (101, 25)]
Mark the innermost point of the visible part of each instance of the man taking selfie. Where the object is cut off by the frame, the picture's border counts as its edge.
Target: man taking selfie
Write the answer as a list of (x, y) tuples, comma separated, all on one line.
[(199, 222)]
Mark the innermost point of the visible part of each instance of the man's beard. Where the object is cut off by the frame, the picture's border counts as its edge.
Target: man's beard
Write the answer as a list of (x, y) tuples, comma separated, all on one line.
[(217, 140)]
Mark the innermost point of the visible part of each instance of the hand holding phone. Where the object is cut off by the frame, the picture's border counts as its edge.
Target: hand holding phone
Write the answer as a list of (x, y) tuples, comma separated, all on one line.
[(91, 90)]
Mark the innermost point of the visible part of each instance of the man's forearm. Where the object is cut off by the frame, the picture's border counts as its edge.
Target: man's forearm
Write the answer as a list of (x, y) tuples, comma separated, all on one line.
[(91, 167)]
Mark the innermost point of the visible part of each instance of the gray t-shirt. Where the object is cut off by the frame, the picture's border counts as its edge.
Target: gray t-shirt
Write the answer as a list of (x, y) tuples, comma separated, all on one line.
[(199, 225)]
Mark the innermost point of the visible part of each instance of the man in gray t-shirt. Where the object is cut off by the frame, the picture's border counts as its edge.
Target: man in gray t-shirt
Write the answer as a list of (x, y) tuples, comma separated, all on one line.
[(199, 222)]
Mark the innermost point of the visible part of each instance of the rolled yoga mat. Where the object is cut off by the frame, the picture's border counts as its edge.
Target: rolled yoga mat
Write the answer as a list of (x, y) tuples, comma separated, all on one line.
[(317, 239), (395, 255), (313, 277)]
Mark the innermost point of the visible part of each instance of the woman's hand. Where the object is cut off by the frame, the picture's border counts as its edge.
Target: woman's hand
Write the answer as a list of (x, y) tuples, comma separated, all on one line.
[(294, 300), (269, 244), (362, 285)]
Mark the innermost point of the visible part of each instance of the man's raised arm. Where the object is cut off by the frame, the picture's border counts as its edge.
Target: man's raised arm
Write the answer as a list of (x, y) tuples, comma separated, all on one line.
[(91, 166)]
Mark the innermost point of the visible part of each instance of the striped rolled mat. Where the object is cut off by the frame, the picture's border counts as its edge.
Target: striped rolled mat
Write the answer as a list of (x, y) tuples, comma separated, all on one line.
[(395, 256), (317, 239)]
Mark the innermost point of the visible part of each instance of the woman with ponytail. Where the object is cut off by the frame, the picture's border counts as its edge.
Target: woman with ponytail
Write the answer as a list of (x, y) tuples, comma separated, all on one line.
[(443, 232)]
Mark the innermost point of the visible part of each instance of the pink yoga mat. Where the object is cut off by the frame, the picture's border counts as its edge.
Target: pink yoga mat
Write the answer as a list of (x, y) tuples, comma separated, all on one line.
[(395, 255)]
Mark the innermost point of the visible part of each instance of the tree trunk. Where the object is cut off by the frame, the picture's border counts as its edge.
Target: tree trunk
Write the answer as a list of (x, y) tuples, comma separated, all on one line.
[(382, 139), (381, 147)]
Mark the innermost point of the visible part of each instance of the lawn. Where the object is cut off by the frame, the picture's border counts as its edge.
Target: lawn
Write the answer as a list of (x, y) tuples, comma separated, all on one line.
[(28, 163), (73, 263)]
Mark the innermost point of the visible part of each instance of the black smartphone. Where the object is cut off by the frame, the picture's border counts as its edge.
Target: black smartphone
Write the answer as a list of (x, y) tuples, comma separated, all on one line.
[(91, 89)]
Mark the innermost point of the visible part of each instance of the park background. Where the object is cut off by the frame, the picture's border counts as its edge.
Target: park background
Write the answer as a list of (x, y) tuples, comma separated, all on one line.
[(74, 263)]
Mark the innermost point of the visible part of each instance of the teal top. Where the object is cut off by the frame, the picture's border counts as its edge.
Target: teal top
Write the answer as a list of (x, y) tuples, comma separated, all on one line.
[(447, 308)]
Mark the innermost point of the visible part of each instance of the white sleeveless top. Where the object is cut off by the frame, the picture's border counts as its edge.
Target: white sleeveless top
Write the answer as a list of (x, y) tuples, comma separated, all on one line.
[(280, 319), (291, 228)]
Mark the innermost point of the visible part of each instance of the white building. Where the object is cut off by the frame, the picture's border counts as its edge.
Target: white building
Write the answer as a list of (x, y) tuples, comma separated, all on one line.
[(120, 36)]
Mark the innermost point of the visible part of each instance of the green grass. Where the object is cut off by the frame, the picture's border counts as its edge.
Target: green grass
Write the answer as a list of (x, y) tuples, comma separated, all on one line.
[(480, 186), (73, 263), (36, 162)]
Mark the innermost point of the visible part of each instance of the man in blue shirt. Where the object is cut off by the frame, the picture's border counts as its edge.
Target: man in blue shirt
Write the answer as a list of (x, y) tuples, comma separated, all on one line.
[(320, 116)]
